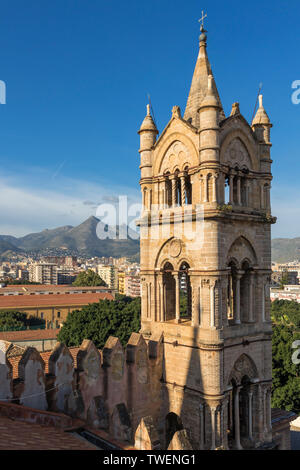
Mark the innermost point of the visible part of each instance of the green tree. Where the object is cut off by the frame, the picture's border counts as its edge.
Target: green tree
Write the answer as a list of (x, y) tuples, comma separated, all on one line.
[(284, 279), (98, 321), (88, 278), (12, 320), (286, 375)]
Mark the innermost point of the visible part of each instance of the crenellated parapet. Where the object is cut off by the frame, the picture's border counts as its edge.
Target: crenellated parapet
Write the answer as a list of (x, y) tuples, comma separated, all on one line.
[(111, 389)]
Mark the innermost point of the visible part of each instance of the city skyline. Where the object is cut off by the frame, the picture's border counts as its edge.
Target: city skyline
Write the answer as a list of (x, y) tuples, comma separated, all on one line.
[(77, 83)]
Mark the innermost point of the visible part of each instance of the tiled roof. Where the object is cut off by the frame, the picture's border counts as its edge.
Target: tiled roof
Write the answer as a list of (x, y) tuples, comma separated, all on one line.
[(18, 435), (55, 300), (48, 287), (28, 335), (280, 417)]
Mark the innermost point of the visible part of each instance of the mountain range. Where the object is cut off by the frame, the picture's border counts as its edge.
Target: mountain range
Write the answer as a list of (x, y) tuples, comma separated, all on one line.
[(83, 240)]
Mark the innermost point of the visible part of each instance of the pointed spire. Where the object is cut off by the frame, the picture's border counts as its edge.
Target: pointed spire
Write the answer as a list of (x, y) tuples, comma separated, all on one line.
[(211, 98), (148, 123), (199, 86), (261, 116)]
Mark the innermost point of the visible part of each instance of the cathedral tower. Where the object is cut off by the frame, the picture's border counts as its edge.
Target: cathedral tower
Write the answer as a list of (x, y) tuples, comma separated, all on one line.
[(205, 267)]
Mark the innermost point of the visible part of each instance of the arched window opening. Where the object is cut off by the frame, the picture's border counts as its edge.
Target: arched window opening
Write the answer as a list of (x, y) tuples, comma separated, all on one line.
[(168, 191), (185, 292), (145, 198), (231, 415), (169, 297), (231, 292), (227, 190), (188, 187), (235, 191), (173, 424), (244, 411), (178, 192)]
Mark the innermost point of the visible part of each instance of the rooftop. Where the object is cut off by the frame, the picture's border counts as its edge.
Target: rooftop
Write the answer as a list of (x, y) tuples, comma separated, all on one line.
[(16, 301), (28, 335)]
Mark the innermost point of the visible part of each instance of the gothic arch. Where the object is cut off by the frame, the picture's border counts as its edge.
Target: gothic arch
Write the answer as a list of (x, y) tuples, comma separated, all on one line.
[(244, 366), (187, 147), (240, 136), (240, 250), (172, 251)]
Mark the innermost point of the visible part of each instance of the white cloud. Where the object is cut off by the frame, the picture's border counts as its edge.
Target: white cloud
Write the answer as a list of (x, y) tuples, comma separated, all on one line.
[(30, 206)]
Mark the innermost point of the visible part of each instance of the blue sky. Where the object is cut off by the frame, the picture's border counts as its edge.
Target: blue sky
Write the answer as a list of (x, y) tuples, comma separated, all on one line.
[(78, 73)]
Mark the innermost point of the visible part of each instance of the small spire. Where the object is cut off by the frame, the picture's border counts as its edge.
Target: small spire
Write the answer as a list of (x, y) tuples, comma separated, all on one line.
[(148, 123), (261, 116), (211, 97)]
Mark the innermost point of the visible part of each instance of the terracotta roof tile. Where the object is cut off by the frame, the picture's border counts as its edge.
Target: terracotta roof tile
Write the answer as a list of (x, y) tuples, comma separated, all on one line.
[(28, 335), (59, 300), (17, 435)]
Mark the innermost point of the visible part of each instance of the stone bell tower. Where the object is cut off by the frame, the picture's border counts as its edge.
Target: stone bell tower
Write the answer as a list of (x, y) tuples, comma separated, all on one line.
[(205, 267)]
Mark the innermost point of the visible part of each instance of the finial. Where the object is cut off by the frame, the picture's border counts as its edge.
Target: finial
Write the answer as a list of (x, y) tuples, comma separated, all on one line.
[(148, 109), (260, 100), (203, 31)]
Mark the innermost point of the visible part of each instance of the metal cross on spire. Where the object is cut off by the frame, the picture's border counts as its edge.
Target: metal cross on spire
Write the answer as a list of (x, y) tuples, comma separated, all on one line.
[(202, 19)]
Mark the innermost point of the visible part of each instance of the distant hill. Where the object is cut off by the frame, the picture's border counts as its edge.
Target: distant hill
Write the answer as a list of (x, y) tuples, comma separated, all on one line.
[(82, 239), (285, 249)]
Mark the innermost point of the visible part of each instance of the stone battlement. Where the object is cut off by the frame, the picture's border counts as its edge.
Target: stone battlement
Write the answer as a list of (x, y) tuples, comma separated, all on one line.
[(110, 389)]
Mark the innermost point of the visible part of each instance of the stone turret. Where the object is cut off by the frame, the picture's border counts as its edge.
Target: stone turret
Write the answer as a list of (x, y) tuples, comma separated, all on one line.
[(209, 124), (148, 133), (261, 123)]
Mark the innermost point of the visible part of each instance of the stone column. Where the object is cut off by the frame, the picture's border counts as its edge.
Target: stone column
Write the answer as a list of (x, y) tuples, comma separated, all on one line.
[(269, 415), (205, 198), (237, 418), (213, 427), (183, 191), (231, 177), (237, 312), (238, 190), (247, 192), (160, 303), (214, 188), (251, 290), (195, 302), (265, 410), (250, 424), (174, 188), (163, 302), (177, 297), (224, 438), (262, 199)]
